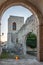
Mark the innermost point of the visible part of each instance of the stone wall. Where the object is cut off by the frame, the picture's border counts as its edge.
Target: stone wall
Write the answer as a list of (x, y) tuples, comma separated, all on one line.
[(29, 26), (19, 22), (12, 33)]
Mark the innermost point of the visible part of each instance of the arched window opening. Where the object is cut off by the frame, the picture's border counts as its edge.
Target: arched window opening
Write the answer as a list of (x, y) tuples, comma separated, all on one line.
[(14, 26)]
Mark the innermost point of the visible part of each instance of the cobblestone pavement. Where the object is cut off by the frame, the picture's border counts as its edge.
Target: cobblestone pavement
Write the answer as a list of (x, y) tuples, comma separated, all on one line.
[(20, 62)]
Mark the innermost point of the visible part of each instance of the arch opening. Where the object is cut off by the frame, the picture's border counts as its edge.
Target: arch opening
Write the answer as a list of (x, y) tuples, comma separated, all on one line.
[(31, 8)]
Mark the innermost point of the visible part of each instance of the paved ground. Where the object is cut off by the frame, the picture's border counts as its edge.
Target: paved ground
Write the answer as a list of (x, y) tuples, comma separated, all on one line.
[(29, 60), (20, 62)]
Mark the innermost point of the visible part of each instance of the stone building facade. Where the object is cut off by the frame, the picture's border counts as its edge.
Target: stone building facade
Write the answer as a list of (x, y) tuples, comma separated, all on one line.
[(18, 33), (14, 24), (30, 26)]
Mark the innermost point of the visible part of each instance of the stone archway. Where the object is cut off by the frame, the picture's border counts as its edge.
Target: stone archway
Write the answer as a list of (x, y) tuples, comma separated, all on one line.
[(31, 45), (38, 15)]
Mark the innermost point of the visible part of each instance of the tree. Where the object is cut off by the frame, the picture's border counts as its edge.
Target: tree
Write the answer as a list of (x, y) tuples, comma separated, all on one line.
[(31, 40)]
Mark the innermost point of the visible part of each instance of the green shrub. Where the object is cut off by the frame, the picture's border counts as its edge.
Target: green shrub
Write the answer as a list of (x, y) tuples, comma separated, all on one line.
[(31, 40)]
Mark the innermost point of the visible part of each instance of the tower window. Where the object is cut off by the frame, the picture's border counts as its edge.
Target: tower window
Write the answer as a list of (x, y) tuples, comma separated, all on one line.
[(14, 26)]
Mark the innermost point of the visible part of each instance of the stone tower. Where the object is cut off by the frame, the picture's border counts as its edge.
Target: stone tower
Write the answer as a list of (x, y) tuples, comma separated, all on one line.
[(14, 24)]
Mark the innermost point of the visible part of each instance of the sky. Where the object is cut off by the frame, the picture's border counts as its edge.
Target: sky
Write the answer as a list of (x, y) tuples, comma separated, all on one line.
[(14, 11)]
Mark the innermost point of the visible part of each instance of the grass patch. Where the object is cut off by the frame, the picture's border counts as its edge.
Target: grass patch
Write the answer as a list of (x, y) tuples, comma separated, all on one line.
[(6, 55)]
